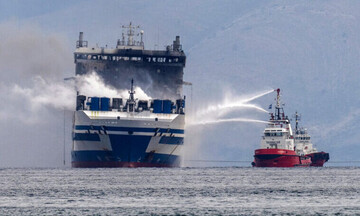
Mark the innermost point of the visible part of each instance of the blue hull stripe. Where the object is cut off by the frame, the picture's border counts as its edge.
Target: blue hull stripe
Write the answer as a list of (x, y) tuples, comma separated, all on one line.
[(126, 140), (86, 136), (133, 129), (172, 140)]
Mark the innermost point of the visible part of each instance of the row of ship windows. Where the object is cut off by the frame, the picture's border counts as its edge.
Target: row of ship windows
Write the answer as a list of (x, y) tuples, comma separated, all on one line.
[(126, 58), (113, 122), (302, 138), (274, 134)]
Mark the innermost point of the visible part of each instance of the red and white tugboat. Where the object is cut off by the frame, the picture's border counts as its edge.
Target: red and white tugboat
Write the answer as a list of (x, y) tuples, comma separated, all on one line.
[(277, 144), (304, 146)]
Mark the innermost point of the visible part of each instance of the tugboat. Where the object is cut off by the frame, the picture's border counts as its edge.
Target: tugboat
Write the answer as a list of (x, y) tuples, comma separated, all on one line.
[(277, 145), (305, 147)]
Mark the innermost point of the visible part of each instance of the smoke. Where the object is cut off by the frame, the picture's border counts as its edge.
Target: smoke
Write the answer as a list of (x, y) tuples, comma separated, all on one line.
[(44, 94), (37, 104), (92, 85), (33, 96)]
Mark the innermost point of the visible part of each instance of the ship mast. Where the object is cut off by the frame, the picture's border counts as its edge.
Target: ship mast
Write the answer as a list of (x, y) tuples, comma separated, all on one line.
[(130, 33), (277, 107), (297, 118), (131, 101)]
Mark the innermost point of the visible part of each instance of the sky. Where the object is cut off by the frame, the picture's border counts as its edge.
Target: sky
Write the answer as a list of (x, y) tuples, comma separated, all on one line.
[(235, 50)]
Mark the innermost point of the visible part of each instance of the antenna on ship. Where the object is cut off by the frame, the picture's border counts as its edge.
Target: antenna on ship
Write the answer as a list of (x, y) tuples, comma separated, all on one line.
[(297, 118), (141, 38), (277, 107), (131, 100), (132, 92), (130, 33)]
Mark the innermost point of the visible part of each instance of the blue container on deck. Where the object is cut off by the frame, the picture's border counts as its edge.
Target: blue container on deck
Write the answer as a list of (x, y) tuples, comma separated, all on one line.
[(166, 106), (95, 104), (105, 104), (158, 106)]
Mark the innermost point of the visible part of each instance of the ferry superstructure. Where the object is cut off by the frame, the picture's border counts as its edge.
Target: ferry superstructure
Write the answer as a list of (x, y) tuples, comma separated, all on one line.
[(126, 132)]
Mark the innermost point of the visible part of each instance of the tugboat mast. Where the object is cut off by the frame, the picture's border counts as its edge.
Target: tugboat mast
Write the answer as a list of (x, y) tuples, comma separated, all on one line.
[(297, 118), (278, 107)]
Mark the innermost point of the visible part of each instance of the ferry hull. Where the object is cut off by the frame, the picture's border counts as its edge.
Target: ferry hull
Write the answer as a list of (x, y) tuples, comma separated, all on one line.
[(117, 164), (127, 142), (279, 158), (318, 159), (98, 159)]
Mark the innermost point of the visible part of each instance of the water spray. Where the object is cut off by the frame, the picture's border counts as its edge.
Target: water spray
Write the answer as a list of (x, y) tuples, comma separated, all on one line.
[(205, 117), (219, 121), (244, 103)]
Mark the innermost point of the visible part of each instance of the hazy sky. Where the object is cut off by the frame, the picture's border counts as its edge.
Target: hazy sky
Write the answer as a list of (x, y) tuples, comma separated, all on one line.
[(235, 49)]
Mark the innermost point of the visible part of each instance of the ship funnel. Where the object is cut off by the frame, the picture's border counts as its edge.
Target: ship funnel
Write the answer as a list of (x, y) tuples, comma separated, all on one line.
[(81, 42), (81, 37), (176, 44)]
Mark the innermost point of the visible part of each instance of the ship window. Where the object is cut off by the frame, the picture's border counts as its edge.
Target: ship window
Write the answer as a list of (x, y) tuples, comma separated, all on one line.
[(267, 134)]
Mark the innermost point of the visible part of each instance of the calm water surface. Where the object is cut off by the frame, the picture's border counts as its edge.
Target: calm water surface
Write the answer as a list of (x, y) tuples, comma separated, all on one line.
[(180, 191)]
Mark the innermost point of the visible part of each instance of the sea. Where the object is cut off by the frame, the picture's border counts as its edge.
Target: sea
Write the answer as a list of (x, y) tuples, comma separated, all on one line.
[(181, 191)]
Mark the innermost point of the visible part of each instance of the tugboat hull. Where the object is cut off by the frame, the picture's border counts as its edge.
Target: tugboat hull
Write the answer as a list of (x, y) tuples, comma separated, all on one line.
[(318, 158), (279, 158)]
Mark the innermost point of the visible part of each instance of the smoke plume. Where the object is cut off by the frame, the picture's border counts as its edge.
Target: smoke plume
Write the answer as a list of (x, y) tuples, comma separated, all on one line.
[(92, 85)]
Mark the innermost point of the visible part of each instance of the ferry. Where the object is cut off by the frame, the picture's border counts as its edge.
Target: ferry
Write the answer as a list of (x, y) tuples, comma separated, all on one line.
[(130, 132)]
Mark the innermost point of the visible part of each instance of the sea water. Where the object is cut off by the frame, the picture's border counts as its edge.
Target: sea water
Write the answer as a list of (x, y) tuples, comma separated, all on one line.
[(181, 191)]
